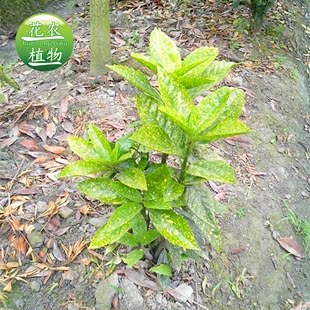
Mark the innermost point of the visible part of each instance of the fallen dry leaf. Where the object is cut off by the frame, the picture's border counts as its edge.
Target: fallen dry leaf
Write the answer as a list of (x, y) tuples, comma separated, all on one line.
[(291, 246), (54, 149), (302, 306), (51, 130), (29, 144)]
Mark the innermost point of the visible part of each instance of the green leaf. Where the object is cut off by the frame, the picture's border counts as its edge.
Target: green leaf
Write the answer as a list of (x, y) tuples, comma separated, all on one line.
[(133, 177), (146, 61), (129, 240), (164, 51), (174, 228), (204, 218), (210, 109), (116, 226), (216, 170), (177, 118), (174, 94), (162, 269), (158, 204), (149, 237), (147, 108), (83, 168), (133, 257), (83, 148), (3, 98), (227, 128), (137, 78), (200, 55), (108, 191), (99, 141), (139, 226), (162, 187), (155, 138), (197, 83)]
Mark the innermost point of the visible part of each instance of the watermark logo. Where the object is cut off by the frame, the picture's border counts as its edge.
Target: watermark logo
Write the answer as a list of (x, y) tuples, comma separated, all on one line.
[(44, 42)]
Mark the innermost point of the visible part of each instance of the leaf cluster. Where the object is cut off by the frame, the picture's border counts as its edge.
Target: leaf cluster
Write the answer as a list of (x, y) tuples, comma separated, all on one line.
[(155, 203)]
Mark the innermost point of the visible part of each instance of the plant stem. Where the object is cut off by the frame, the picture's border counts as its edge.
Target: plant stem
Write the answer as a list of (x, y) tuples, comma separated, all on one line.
[(184, 162), (164, 158)]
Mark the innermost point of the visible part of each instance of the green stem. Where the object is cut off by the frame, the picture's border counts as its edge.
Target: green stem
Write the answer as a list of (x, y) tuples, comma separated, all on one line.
[(164, 158), (184, 162)]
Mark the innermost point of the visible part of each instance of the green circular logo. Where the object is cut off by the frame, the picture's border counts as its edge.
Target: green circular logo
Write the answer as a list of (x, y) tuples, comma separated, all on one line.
[(44, 42)]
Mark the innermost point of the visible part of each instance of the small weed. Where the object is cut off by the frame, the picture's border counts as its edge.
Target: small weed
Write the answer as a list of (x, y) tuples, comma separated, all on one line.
[(242, 25), (134, 38), (241, 212), (302, 227), (294, 74), (279, 60), (235, 44)]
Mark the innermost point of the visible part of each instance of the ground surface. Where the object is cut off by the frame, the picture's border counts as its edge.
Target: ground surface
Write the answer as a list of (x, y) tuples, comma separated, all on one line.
[(45, 224)]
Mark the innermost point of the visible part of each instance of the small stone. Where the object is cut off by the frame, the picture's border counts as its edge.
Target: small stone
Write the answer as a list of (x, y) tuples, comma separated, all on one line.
[(41, 206), (36, 239), (304, 194), (132, 297), (19, 303), (72, 307), (35, 286), (97, 221), (159, 298), (65, 212), (185, 291), (288, 196), (281, 149), (105, 291)]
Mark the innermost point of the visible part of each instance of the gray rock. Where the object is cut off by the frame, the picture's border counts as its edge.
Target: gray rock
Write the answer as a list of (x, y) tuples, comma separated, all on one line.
[(185, 292), (41, 206), (105, 292), (159, 298), (65, 212), (97, 221), (35, 238), (72, 307), (119, 20), (35, 286), (19, 303), (132, 299)]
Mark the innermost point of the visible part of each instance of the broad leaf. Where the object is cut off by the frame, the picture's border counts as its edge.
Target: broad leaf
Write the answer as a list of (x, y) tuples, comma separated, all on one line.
[(227, 128), (139, 226), (164, 51), (177, 118), (174, 228), (83, 148), (155, 138), (204, 219), (83, 168), (116, 226), (162, 188), (133, 257), (210, 109), (215, 170), (158, 204), (137, 78), (146, 61), (149, 237), (108, 191), (133, 177), (162, 269), (202, 55), (197, 83), (128, 239), (174, 94), (99, 141), (147, 108)]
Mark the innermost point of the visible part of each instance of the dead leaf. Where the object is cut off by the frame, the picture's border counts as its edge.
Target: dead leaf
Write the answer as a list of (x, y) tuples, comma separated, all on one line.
[(292, 246), (51, 130), (54, 149), (302, 306), (57, 253), (20, 245), (141, 280), (27, 129), (8, 142), (29, 144)]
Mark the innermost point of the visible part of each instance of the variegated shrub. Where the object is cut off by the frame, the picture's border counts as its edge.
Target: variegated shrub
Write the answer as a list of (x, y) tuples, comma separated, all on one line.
[(155, 201)]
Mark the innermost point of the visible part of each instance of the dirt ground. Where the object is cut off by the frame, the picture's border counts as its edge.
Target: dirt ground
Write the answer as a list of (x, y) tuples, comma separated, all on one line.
[(45, 223)]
